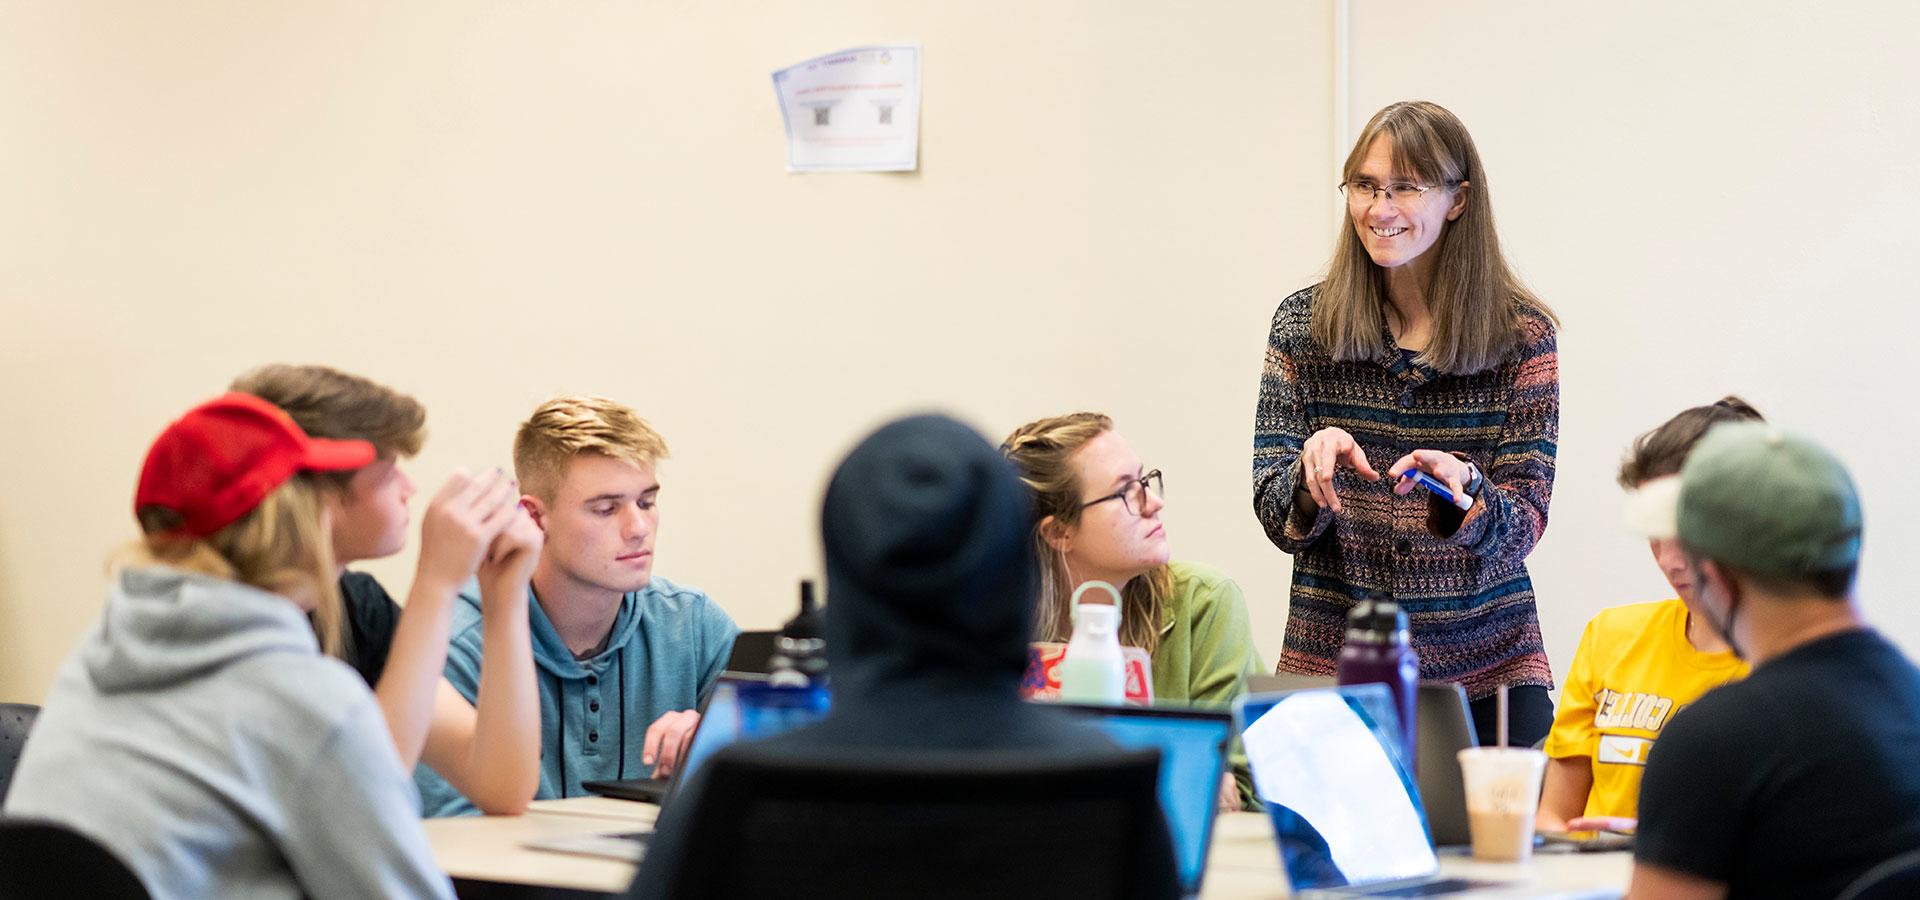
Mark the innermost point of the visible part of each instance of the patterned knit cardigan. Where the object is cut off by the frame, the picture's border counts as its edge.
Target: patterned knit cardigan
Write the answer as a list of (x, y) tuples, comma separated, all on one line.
[(1462, 580)]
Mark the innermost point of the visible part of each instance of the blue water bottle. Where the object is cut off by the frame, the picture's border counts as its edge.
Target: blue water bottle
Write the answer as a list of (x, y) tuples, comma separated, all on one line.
[(1377, 651)]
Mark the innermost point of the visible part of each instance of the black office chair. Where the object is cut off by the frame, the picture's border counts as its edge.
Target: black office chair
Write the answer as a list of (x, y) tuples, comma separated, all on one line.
[(752, 650), (46, 861), (927, 825), (16, 719), (1895, 879)]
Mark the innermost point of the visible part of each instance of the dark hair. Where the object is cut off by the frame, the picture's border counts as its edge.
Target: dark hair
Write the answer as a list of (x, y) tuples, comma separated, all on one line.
[(329, 403), (1662, 451)]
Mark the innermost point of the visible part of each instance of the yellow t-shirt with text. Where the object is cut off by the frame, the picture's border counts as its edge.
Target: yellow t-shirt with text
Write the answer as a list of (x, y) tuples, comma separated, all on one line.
[(1634, 670)]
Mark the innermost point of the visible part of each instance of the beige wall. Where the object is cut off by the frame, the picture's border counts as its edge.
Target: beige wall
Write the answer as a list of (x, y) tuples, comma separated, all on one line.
[(1715, 198), (486, 204)]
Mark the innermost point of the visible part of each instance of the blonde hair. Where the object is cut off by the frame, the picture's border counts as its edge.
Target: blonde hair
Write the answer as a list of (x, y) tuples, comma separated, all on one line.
[(565, 427), (1043, 453), (1475, 298), (279, 546), (329, 403)]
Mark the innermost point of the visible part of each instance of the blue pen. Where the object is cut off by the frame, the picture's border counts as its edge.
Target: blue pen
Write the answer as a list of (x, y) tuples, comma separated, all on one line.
[(1432, 484)]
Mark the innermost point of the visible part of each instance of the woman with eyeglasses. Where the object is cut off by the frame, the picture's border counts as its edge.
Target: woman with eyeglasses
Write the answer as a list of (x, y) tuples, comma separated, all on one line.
[(1423, 353), (1098, 518)]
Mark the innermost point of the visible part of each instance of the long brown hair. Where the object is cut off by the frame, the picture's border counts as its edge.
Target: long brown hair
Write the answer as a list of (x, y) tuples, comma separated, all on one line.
[(1474, 297), (279, 546), (1043, 452)]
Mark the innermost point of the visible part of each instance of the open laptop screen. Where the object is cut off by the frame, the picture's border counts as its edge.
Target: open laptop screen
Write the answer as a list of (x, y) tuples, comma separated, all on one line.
[(1193, 748), (719, 726), (743, 707), (1327, 764)]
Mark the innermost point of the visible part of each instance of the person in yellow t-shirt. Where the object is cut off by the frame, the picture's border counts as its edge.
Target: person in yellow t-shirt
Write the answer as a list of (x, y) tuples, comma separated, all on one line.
[(1637, 666)]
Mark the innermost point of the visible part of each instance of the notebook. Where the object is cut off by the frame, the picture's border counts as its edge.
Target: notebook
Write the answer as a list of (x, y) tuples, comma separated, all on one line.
[(1193, 758)]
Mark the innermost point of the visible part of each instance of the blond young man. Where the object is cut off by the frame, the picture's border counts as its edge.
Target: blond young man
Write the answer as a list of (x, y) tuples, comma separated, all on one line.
[(485, 743), (622, 656)]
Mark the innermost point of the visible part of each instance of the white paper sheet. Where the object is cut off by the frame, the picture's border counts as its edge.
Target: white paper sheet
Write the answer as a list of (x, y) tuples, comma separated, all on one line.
[(857, 110), (1313, 755)]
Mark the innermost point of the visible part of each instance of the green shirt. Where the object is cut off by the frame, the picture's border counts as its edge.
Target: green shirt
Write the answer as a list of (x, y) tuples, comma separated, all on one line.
[(1206, 646), (1206, 650)]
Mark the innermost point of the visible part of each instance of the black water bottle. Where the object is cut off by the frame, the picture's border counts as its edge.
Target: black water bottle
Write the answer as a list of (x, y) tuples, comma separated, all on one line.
[(800, 652)]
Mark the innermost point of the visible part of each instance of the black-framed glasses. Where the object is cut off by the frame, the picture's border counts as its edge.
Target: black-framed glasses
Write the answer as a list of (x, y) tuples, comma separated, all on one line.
[(1401, 193), (1134, 493)]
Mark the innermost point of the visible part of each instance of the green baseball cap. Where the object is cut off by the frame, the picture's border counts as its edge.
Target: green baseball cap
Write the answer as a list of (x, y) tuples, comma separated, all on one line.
[(1769, 502)]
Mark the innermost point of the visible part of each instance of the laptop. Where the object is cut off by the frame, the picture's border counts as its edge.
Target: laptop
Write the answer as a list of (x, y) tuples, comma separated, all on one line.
[(1193, 758), (1330, 767), (655, 790), (734, 710), (1443, 726)]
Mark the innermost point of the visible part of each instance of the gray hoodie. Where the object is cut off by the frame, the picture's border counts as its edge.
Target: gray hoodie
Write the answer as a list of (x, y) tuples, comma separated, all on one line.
[(200, 736)]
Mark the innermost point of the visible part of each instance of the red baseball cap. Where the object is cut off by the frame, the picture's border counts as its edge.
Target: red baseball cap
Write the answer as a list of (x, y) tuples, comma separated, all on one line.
[(217, 462)]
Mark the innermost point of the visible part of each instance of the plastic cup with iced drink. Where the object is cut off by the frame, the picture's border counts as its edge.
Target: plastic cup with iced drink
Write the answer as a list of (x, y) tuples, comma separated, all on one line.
[(1503, 792)]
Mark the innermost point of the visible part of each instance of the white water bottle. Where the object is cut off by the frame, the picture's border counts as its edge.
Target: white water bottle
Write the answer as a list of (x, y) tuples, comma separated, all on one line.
[(1093, 671)]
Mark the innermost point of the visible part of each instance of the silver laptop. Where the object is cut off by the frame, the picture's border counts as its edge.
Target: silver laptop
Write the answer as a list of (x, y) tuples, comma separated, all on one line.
[(1332, 771), (1443, 727)]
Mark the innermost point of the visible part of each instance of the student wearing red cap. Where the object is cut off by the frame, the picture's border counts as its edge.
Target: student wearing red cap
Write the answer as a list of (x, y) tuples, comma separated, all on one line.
[(489, 749), (197, 732)]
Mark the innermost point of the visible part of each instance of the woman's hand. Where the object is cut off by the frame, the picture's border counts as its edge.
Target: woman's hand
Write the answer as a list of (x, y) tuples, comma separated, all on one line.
[(1326, 450), (1445, 468)]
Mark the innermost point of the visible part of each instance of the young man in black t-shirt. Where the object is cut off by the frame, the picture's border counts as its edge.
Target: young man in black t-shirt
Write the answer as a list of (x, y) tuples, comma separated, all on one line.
[(472, 529), (1795, 781)]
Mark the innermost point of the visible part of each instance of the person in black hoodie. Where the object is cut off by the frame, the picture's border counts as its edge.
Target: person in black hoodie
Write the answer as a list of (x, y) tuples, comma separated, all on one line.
[(931, 578)]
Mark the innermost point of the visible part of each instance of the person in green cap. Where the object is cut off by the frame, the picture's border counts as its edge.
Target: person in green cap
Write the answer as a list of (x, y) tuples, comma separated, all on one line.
[(1805, 775)]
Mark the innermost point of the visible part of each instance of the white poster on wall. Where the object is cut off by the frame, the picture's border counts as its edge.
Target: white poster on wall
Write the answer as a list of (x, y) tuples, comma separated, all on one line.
[(857, 110)]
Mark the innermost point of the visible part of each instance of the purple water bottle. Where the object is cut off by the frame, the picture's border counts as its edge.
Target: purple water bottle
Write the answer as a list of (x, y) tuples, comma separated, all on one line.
[(1377, 651)]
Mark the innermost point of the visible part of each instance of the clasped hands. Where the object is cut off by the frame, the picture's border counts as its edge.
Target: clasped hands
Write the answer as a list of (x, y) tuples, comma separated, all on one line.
[(1330, 449)]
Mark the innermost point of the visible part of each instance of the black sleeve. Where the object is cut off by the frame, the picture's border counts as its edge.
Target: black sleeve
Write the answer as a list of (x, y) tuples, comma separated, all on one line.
[(371, 617), (1697, 792)]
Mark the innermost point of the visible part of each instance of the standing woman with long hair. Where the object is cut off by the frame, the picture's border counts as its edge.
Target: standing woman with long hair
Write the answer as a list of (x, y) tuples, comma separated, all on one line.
[(1420, 351)]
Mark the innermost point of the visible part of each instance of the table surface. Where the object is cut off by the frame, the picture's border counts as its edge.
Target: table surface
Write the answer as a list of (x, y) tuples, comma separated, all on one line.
[(1243, 864)]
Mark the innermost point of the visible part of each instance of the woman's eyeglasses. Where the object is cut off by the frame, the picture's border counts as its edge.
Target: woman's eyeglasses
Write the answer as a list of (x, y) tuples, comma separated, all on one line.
[(1361, 191), (1134, 493)]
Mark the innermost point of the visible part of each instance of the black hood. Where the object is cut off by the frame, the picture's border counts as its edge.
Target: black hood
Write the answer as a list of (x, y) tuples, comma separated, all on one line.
[(930, 568)]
